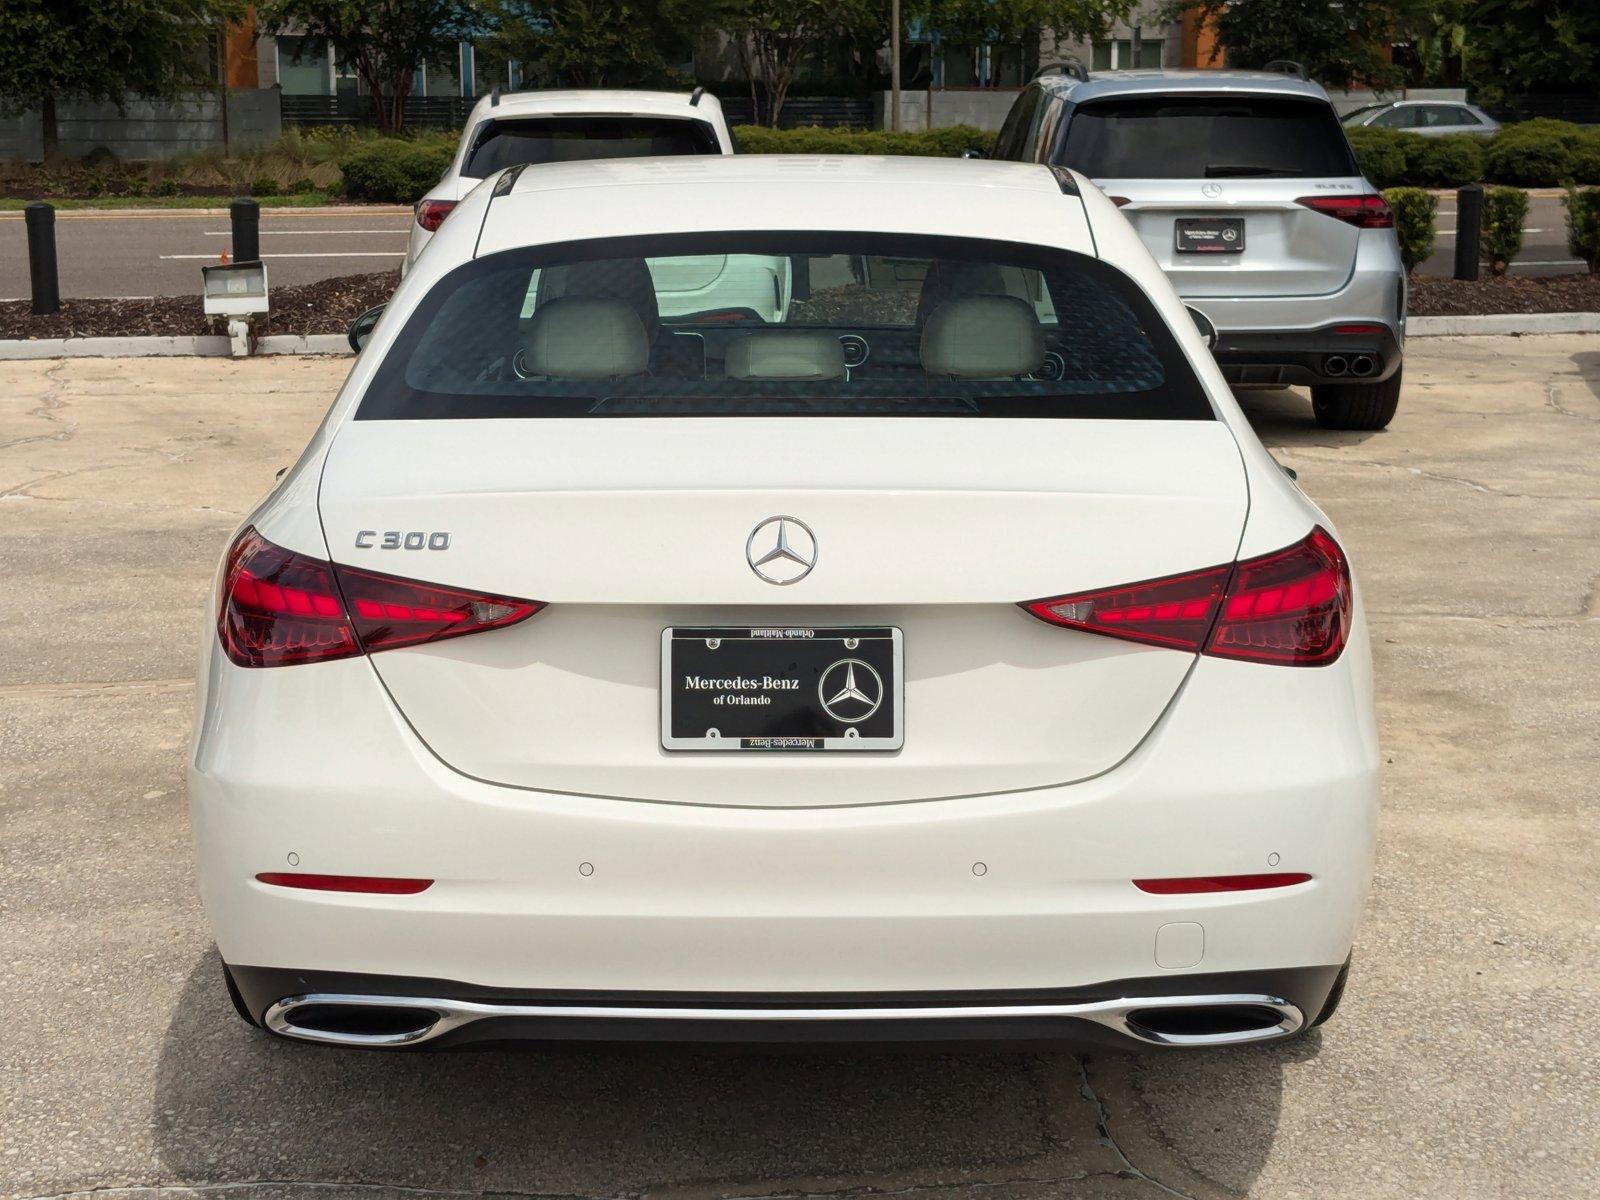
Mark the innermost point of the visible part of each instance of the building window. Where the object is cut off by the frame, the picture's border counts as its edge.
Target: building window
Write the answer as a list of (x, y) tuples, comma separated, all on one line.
[(1118, 55), (303, 66)]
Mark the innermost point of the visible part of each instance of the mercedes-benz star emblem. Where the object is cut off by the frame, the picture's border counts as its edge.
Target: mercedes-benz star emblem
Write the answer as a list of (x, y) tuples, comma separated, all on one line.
[(1213, 190), (781, 550), (850, 691)]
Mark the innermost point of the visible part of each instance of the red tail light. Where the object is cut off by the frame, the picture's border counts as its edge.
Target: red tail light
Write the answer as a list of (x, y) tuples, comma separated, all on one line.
[(1364, 212), (431, 213), (1291, 607), (280, 608)]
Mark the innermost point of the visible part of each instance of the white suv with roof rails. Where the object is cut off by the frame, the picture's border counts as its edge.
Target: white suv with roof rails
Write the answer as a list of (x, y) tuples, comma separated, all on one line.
[(563, 126), (938, 656), (1244, 187)]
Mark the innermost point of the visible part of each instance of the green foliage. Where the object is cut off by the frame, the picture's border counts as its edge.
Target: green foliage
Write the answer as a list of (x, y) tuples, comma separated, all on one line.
[(53, 50), (1504, 211), (393, 171), (591, 43), (971, 21), (1536, 153), (263, 185), (1414, 211), (1583, 225), (1586, 157), (814, 139), (1338, 44), (1384, 155), (1509, 47), (1444, 162), (773, 39), (385, 43)]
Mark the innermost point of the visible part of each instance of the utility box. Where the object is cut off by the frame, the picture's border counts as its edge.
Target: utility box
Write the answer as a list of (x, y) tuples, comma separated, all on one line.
[(237, 291)]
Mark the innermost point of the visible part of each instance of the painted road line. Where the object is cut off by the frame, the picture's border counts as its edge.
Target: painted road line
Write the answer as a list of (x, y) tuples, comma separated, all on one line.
[(399, 229), (305, 254)]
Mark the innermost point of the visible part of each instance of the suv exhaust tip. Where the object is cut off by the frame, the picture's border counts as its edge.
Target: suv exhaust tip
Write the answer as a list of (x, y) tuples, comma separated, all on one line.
[(1335, 364), (1363, 364), (390, 1022)]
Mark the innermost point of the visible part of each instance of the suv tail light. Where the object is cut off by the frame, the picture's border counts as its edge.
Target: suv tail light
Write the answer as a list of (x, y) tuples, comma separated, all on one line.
[(1290, 607), (279, 608), (431, 213), (1364, 212)]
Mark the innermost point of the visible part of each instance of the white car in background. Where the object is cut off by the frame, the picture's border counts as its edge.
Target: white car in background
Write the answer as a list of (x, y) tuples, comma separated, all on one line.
[(942, 658), (561, 126)]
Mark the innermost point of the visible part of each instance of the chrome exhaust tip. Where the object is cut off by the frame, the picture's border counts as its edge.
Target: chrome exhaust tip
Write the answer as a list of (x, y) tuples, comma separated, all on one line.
[(1363, 364), (391, 1022), (1335, 364)]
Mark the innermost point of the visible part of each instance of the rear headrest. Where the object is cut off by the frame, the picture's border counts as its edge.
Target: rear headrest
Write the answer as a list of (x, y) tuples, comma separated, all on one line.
[(982, 337), (799, 354), (577, 337), (625, 279)]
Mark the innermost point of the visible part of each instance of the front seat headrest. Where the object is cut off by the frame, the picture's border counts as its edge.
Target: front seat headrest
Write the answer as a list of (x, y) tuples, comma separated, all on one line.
[(982, 337), (625, 279), (948, 279), (579, 337), (792, 354)]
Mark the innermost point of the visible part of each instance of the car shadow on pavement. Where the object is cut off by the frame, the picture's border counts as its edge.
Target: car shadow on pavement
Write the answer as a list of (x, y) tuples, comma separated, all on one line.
[(235, 1104), (1282, 417)]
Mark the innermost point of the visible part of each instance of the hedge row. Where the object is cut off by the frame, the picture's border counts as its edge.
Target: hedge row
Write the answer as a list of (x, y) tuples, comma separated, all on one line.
[(814, 139), (393, 170), (1538, 153)]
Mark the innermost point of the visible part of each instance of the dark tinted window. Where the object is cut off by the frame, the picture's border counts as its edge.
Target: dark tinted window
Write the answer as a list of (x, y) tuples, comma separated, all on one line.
[(1012, 143), (500, 144), (785, 324), (1206, 137)]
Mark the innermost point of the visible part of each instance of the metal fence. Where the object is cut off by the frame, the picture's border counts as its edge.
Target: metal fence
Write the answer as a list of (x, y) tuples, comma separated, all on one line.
[(422, 112), (852, 111)]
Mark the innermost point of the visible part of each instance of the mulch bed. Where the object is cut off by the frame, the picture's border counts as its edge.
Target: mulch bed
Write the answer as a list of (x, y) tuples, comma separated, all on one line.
[(331, 304), (327, 306), (1432, 297)]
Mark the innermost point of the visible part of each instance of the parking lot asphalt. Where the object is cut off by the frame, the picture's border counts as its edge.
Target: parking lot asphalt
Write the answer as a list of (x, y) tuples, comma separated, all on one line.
[(131, 253), (1463, 1063)]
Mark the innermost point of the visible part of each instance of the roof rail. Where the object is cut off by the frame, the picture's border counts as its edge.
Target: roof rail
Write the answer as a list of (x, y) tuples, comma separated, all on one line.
[(1069, 66), (694, 96), (494, 97), (1287, 66)]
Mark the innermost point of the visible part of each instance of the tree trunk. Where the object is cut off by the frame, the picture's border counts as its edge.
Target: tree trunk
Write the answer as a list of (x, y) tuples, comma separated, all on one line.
[(47, 121)]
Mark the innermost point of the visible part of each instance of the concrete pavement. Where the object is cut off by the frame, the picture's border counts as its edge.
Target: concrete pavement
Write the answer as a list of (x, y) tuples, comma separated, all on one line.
[(1462, 1064), (131, 253)]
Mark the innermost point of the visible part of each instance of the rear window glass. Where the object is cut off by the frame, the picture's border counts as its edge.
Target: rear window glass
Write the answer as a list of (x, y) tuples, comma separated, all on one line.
[(500, 144), (1206, 137), (785, 324)]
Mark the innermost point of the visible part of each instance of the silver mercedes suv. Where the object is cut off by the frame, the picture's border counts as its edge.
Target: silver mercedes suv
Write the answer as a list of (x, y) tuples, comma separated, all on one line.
[(1245, 189)]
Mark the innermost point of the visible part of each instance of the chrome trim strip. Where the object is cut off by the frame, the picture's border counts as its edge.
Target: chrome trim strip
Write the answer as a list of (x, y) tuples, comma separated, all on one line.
[(1116, 1015)]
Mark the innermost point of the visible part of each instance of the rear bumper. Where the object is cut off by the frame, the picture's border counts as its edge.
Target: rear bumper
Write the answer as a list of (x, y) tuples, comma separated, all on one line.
[(546, 894), (388, 1012), (1310, 356)]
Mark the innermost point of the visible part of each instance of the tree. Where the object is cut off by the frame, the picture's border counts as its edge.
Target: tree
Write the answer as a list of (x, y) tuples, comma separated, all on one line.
[(774, 38), (385, 41), (1340, 44), (1516, 46), (587, 43), (105, 50), (1055, 21)]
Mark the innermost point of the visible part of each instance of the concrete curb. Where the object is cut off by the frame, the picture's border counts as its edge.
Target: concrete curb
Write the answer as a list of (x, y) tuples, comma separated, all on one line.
[(1503, 323), (204, 346), (323, 210)]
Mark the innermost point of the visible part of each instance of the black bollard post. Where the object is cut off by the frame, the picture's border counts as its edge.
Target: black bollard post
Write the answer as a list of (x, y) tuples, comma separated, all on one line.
[(1469, 230), (245, 216), (41, 221)]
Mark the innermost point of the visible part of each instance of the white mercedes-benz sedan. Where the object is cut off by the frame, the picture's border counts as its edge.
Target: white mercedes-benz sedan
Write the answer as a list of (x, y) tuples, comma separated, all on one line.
[(931, 652)]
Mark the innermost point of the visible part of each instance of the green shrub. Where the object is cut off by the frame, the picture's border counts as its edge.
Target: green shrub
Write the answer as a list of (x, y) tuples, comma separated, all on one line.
[(1586, 158), (814, 139), (1504, 211), (263, 185), (1414, 211), (1583, 226), (1538, 153), (393, 170), (1384, 155), (303, 187), (1445, 162), (168, 187)]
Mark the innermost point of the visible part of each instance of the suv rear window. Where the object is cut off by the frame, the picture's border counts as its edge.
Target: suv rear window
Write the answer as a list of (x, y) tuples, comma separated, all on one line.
[(1207, 137), (784, 324), (505, 143)]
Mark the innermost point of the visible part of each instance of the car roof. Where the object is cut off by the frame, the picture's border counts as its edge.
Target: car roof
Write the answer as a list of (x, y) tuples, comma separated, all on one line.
[(587, 101), (1156, 82), (770, 192)]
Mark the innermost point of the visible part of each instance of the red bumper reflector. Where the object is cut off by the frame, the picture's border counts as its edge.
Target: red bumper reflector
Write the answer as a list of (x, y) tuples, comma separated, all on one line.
[(372, 884), (1220, 883), (1361, 330)]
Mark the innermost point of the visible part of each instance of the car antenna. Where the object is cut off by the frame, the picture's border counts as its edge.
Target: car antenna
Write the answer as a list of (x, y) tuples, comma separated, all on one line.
[(494, 97), (694, 96)]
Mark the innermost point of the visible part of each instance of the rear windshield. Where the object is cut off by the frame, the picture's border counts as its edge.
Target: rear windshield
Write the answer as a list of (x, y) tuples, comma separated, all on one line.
[(785, 324), (501, 144), (1207, 137)]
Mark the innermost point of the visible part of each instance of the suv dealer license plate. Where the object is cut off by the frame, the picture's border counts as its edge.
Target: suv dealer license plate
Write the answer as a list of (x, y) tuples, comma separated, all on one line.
[(782, 688), (1209, 235)]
